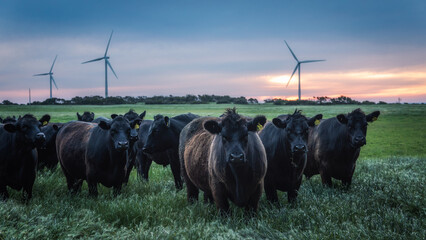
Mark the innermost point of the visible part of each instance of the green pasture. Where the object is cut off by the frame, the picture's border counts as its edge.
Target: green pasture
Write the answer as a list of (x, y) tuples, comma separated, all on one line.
[(386, 201)]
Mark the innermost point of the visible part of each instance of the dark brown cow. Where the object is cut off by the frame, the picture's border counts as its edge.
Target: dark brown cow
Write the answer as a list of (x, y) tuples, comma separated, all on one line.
[(285, 141), (225, 158), (94, 152), (335, 145)]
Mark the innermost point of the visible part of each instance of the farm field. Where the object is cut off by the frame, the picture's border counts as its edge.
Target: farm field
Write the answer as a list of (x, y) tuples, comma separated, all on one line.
[(387, 199)]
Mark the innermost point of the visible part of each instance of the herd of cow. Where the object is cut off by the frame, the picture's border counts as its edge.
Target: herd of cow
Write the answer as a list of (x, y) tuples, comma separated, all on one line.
[(231, 157)]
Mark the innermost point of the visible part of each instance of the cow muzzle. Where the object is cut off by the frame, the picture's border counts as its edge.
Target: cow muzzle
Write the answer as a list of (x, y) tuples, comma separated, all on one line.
[(122, 145), (40, 138), (299, 148), (237, 158), (359, 141)]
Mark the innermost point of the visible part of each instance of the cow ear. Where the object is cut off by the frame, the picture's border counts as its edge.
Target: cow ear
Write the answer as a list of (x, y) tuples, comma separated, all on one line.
[(113, 115), (1, 120), (314, 121), (78, 117), (92, 115), (167, 121), (279, 123), (45, 119), (213, 127), (55, 127), (342, 118), (10, 127), (104, 125), (256, 124), (372, 116), (142, 115)]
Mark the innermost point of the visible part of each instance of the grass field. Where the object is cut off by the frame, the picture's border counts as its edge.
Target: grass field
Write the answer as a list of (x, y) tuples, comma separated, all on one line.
[(386, 201)]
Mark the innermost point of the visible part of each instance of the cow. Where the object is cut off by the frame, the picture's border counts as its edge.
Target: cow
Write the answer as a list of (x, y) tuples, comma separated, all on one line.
[(94, 152), (18, 156), (10, 119), (225, 158), (335, 145), (86, 117), (163, 139), (285, 140), (47, 157)]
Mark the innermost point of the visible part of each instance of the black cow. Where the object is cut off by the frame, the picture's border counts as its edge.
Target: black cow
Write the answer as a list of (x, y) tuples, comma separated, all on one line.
[(10, 119), (93, 152), (47, 157), (18, 156), (224, 157), (163, 137), (336, 144), (86, 117), (285, 141)]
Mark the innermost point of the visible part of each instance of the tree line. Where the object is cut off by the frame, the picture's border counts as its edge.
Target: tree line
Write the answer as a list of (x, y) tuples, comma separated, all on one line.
[(192, 99)]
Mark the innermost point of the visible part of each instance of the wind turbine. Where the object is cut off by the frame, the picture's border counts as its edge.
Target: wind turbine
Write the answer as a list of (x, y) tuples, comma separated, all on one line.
[(50, 73), (107, 64), (298, 67)]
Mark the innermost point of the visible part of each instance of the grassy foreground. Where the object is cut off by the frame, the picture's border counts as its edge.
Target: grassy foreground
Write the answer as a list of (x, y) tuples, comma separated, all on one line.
[(387, 199)]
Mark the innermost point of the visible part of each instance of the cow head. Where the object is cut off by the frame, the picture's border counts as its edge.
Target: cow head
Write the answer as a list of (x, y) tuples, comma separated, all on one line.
[(356, 124), (86, 117), (233, 130), (132, 115), (119, 131), (135, 121), (159, 135), (50, 131), (27, 130), (296, 128), (9, 119)]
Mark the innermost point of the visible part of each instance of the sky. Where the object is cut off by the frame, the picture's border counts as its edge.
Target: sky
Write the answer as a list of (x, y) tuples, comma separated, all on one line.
[(374, 50)]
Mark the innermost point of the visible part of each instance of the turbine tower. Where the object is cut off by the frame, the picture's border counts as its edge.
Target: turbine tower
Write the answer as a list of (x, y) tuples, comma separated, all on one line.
[(298, 67), (50, 73), (107, 64)]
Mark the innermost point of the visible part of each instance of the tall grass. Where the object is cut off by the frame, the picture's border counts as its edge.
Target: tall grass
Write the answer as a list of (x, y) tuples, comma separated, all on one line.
[(386, 201)]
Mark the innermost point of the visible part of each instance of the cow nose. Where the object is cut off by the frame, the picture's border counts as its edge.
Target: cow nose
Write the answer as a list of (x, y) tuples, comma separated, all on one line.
[(299, 148), (360, 140), (40, 137), (123, 145), (134, 138), (236, 157)]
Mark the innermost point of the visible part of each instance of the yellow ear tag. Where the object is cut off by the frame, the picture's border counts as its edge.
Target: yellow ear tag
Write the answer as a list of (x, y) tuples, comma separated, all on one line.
[(259, 127), (136, 126), (44, 123), (168, 124), (317, 122), (374, 119)]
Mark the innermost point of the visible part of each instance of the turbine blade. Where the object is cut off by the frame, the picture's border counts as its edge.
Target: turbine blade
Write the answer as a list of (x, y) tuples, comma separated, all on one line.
[(53, 80), (295, 69), (292, 53), (53, 63), (309, 61), (109, 65), (41, 74), (94, 60), (106, 51)]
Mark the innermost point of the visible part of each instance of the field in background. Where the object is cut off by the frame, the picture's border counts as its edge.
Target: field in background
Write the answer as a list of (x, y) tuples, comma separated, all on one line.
[(387, 199)]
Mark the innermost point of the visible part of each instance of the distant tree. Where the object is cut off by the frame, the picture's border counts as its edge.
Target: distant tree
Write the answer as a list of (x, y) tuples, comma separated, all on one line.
[(7, 102), (381, 102)]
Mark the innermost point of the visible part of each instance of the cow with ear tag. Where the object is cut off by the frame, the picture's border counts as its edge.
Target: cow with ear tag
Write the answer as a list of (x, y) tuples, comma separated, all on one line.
[(335, 145), (285, 141), (47, 157), (93, 152), (18, 156), (224, 157)]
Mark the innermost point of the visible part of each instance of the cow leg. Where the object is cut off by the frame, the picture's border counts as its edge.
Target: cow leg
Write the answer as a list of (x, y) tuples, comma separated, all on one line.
[(175, 166), (253, 203), (71, 183), (191, 190), (325, 178), (93, 188), (292, 195), (27, 193), (4, 195), (208, 198), (129, 166), (271, 193), (144, 167), (220, 198), (347, 182)]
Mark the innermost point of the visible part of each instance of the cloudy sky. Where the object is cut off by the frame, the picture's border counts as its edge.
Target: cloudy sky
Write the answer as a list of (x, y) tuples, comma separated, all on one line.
[(374, 50)]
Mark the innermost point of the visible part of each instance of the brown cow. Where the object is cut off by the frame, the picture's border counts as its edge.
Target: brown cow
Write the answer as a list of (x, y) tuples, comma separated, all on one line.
[(225, 158)]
